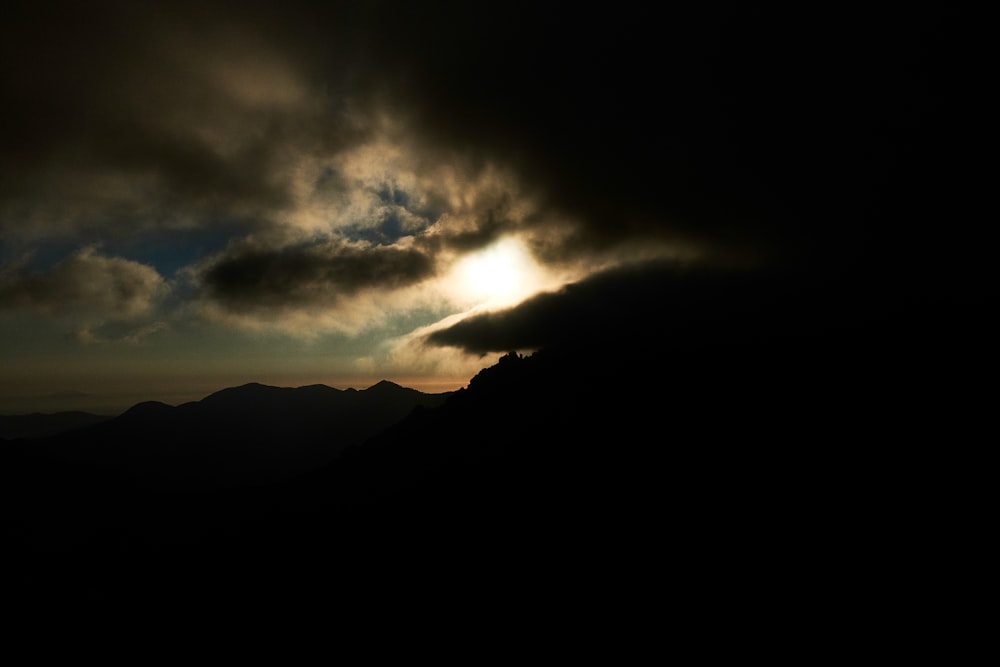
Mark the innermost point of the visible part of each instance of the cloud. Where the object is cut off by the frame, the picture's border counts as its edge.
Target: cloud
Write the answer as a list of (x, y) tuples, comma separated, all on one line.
[(113, 287), (86, 291), (576, 311), (156, 121), (345, 125), (261, 117), (393, 184), (349, 156), (90, 333), (637, 308), (310, 275), (381, 223)]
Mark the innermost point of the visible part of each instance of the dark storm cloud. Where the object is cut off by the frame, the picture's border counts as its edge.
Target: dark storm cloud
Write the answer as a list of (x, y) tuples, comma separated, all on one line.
[(310, 274), (646, 308), (624, 303), (133, 115), (809, 137), (766, 129), (771, 129), (610, 301)]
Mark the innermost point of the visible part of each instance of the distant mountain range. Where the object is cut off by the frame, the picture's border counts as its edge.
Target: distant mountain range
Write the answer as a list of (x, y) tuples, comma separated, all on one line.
[(241, 435)]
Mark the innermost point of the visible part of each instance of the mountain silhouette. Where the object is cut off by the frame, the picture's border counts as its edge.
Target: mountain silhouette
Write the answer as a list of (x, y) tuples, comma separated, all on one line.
[(240, 435)]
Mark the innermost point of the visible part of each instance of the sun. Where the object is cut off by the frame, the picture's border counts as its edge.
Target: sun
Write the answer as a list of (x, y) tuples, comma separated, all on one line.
[(499, 274)]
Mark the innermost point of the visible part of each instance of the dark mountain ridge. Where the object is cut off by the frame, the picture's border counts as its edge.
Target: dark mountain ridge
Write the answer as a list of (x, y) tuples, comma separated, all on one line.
[(249, 434)]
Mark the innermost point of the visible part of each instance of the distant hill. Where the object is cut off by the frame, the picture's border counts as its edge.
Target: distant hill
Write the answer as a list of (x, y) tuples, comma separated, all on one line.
[(40, 425)]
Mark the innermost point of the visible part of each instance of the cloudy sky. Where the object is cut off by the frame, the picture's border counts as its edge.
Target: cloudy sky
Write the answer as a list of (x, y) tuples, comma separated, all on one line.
[(197, 195)]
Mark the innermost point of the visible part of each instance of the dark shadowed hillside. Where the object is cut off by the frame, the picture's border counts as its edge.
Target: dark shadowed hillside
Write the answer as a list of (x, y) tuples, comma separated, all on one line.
[(40, 425)]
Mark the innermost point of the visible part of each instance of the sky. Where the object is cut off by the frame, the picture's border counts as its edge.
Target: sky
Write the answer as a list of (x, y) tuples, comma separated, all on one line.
[(195, 195)]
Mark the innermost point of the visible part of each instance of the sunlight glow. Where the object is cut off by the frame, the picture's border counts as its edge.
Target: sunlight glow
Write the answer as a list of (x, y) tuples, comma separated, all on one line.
[(502, 273)]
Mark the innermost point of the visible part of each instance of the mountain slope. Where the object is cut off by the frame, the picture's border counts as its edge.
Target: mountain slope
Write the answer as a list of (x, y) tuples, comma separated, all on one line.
[(40, 425)]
